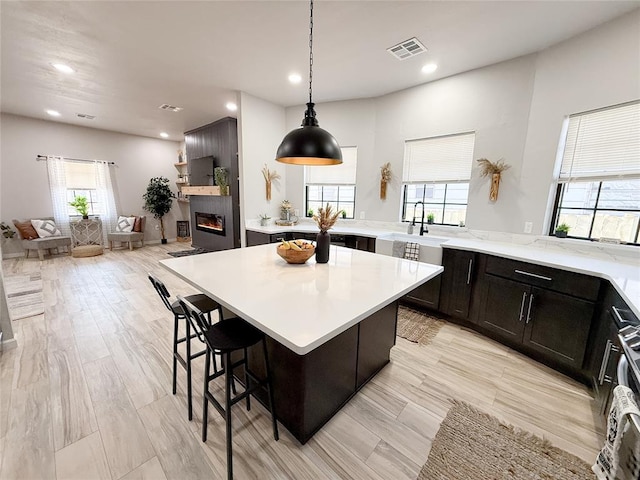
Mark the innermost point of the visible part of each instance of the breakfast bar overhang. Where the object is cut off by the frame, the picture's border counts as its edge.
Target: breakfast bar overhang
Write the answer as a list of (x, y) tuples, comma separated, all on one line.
[(330, 327)]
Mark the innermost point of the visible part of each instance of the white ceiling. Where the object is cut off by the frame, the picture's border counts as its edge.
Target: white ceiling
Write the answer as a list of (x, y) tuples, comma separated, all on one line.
[(131, 57)]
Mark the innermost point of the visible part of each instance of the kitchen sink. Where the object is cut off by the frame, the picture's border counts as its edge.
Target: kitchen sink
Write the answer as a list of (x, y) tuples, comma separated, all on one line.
[(430, 247)]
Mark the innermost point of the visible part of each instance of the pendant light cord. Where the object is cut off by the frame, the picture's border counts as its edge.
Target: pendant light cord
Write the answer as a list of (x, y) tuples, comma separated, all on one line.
[(310, 49)]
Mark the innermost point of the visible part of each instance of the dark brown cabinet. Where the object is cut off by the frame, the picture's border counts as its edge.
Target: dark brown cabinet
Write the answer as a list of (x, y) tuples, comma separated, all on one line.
[(548, 321), (351, 241), (458, 282), (426, 295)]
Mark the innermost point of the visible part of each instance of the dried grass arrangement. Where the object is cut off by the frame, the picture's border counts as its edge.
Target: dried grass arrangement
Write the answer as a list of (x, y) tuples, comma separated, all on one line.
[(326, 218), (269, 176), (385, 177), (494, 170)]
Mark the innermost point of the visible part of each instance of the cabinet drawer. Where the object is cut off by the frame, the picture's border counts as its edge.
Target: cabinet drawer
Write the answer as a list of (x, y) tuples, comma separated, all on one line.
[(574, 284)]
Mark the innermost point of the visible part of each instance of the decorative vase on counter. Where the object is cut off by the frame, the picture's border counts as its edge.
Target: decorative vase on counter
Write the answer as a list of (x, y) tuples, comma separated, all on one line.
[(323, 242)]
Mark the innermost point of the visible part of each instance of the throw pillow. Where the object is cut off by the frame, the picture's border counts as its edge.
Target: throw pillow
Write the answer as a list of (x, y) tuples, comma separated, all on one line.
[(27, 232), (125, 224), (46, 228), (137, 227)]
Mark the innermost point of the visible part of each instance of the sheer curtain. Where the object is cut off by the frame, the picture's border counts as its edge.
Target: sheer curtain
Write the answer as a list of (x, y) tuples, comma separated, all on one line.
[(58, 187), (106, 198)]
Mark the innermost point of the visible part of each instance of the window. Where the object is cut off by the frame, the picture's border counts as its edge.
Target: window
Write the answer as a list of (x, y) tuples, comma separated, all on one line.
[(335, 185), (598, 193), (436, 171), (81, 180)]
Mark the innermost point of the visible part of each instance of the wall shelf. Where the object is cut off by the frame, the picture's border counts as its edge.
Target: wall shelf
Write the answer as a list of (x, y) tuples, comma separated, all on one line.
[(201, 190)]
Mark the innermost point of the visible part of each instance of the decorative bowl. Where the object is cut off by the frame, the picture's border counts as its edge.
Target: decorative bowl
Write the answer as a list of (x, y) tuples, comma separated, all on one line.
[(296, 256)]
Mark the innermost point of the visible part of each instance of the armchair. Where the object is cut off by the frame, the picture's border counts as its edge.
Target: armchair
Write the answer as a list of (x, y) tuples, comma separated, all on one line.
[(136, 235)]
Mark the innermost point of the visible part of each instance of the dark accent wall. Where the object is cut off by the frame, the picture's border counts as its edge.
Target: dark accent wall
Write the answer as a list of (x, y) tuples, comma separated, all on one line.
[(220, 141)]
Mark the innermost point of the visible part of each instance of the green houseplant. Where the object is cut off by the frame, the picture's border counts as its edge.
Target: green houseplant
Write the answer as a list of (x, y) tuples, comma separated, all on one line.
[(222, 179), (158, 200), (430, 218), (562, 230), (81, 205)]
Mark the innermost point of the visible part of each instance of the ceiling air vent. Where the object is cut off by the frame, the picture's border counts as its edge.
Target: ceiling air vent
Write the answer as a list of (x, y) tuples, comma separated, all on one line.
[(86, 116), (171, 108), (407, 49)]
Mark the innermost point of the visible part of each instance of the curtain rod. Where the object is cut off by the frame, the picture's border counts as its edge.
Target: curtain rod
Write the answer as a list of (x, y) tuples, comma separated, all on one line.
[(44, 157)]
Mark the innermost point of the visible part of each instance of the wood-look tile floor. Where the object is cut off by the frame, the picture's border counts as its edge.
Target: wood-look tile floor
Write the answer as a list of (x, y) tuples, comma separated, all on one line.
[(87, 393)]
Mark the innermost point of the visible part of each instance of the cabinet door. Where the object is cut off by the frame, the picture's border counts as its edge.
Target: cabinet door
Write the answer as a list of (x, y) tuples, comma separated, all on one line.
[(457, 282), (503, 307), (557, 325), (426, 295), (256, 238)]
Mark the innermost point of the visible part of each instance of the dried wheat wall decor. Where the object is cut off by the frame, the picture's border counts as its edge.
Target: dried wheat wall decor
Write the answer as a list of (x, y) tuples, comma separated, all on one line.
[(385, 177), (489, 168), (269, 176)]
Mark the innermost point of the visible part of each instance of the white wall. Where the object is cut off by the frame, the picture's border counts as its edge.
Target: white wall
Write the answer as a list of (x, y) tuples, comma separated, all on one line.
[(352, 123), (596, 69), (24, 185), (261, 127), (516, 109)]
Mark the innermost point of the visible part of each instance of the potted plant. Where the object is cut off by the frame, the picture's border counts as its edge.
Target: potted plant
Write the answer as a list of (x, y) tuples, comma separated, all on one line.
[(310, 212), (325, 219), (562, 230), (430, 218), (81, 205), (343, 213), (264, 219), (222, 179), (158, 200)]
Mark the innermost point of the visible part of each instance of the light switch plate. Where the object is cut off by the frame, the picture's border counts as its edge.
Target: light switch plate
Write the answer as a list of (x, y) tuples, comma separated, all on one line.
[(528, 227), (362, 215)]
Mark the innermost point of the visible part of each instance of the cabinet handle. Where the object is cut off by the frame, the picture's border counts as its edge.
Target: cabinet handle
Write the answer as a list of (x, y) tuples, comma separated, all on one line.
[(534, 275), (605, 361), (614, 348), (524, 299), (469, 271), (607, 379), (616, 312), (529, 309)]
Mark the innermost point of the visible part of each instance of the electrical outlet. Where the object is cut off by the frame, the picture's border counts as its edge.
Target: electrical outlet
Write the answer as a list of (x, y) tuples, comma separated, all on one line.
[(296, 212), (362, 215), (528, 227), (157, 227)]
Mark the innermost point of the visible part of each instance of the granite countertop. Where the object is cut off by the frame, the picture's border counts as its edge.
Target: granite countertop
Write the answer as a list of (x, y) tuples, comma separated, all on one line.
[(301, 306)]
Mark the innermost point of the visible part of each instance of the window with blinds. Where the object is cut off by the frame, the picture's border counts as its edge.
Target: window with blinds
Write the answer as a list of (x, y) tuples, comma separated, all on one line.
[(334, 184), (81, 181), (435, 177), (598, 193)]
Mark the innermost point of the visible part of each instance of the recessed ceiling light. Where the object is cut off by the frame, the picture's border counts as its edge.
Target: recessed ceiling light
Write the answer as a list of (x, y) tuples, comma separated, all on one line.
[(164, 134), (53, 113), (429, 68), (295, 78), (61, 67), (232, 106)]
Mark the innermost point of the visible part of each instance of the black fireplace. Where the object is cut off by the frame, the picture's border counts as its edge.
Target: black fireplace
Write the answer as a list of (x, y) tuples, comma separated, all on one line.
[(210, 222)]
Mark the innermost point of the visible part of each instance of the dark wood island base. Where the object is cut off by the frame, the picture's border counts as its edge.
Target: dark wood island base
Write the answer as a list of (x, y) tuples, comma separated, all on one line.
[(310, 389)]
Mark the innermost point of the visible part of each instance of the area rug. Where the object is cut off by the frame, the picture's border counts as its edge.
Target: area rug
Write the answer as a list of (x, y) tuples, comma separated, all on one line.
[(474, 445), (24, 295), (186, 253), (417, 327)]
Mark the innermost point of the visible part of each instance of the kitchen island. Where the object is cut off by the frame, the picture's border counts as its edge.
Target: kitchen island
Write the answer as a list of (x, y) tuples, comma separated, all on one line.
[(330, 327)]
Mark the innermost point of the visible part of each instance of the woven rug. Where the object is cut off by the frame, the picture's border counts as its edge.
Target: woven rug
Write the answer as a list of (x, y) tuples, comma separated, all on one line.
[(474, 445), (417, 327), (24, 295), (186, 253)]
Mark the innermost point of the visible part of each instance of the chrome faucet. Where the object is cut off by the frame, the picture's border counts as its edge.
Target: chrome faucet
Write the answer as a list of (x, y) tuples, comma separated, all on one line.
[(423, 229)]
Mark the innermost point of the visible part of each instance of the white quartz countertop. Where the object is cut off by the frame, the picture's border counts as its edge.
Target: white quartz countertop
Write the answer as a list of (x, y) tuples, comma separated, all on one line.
[(625, 277), (301, 306), (339, 229)]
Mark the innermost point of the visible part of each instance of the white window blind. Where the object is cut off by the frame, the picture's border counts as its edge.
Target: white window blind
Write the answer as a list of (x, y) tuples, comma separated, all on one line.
[(343, 174), (446, 159), (603, 144), (80, 175)]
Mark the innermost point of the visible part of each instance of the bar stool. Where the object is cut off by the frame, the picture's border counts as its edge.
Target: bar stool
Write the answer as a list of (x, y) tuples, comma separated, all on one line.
[(205, 305), (223, 338)]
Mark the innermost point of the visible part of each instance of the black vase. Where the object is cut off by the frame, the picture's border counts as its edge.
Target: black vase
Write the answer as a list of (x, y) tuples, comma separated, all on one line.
[(323, 241)]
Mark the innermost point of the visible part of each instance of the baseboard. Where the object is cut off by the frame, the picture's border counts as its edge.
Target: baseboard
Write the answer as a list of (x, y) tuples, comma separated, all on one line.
[(8, 344)]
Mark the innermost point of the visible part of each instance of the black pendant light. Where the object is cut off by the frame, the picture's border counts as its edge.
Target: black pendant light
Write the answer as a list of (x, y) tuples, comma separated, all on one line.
[(309, 144)]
